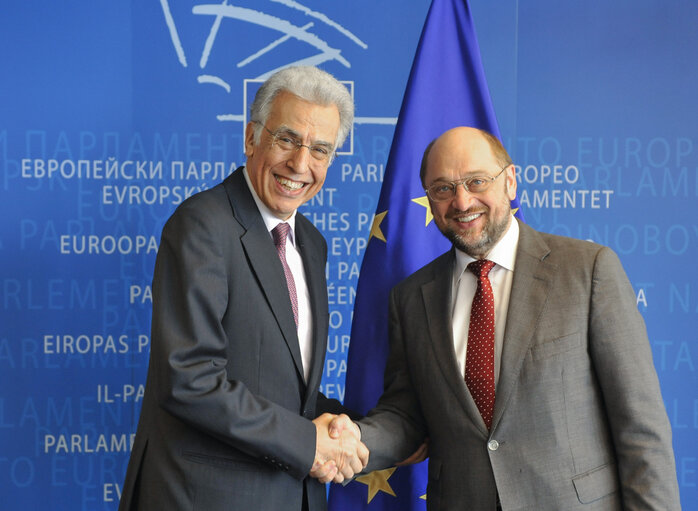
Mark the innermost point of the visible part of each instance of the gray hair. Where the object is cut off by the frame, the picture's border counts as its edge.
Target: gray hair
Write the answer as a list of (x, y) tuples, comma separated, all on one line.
[(310, 84)]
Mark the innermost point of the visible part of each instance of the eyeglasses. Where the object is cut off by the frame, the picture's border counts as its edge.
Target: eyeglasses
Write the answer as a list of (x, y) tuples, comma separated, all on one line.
[(288, 141), (446, 190)]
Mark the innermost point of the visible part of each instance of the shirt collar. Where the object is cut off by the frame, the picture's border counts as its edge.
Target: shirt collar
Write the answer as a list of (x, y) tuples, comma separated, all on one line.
[(270, 220), (502, 254)]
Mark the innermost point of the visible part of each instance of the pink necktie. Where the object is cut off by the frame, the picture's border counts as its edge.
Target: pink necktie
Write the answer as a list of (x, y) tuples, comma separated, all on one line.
[(479, 359), (280, 232)]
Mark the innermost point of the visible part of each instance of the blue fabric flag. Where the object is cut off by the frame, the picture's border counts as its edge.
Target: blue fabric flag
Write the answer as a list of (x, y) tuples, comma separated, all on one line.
[(446, 88)]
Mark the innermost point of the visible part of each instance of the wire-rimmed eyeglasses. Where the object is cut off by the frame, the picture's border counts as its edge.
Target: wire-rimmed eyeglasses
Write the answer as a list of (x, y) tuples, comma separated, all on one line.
[(288, 141), (446, 190)]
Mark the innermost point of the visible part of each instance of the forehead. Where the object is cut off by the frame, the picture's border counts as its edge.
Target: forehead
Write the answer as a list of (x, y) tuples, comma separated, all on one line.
[(308, 119), (456, 155)]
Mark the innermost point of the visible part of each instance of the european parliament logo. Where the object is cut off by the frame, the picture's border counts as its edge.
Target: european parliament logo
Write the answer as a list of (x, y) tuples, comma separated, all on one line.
[(233, 40)]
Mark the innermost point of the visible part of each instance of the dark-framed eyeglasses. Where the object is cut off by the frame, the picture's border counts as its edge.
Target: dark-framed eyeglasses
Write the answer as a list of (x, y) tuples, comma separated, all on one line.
[(477, 183), (287, 141)]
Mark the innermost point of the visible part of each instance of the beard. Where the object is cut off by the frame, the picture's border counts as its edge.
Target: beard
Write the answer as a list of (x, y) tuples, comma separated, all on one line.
[(491, 234)]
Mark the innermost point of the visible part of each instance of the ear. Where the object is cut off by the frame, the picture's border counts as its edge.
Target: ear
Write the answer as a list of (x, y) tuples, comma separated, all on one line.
[(249, 139), (511, 181)]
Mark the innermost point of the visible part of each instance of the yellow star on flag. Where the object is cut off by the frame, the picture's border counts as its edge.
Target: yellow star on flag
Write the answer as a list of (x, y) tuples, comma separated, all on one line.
[(378, 481), (376, 227), (423, 201)]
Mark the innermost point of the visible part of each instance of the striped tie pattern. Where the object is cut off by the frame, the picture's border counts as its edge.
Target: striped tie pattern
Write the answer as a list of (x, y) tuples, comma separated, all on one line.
[(279, 233)]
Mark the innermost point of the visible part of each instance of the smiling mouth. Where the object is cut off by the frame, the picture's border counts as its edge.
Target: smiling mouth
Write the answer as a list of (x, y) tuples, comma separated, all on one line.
[(467, 218), (289, 184)]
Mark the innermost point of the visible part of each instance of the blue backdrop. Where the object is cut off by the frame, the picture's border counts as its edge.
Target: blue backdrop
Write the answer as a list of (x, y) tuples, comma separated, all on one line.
[(111, 113)]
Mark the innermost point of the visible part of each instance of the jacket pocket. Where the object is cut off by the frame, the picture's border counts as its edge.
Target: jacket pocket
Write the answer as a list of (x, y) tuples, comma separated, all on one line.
[(596, 483), (556, 346), (233, 463)]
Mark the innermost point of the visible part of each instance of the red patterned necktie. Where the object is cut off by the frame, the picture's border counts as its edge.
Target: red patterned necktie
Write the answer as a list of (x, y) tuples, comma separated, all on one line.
[(479, 358), (280, 232)]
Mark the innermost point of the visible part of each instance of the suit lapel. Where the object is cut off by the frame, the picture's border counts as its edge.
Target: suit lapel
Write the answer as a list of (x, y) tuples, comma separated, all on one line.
[(264, 261), (530, 288), (438, 312)]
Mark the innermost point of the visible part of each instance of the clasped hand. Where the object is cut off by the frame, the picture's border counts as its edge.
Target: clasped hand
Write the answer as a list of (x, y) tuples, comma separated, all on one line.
[(339, 452)]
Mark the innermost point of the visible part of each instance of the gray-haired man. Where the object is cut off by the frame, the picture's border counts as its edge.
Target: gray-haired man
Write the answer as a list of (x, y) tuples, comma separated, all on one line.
[(231, 416)]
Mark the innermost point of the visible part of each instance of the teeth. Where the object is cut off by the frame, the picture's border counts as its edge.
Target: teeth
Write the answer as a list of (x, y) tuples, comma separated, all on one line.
[(468, 218), (293, 185)]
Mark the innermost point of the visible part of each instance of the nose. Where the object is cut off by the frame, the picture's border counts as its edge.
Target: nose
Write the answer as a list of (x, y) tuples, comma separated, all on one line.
[(299, 160), (463, 199)]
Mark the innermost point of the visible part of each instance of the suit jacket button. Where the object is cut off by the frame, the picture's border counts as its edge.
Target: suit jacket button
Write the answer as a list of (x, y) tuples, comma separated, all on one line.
[(493, 445)]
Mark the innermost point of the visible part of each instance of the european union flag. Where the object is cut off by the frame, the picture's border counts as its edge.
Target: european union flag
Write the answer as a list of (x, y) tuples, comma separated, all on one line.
[(446, 88)]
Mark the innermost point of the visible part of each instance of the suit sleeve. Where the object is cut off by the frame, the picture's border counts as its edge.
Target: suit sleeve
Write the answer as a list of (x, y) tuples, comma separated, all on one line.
[(395, 427), (189, 349), (327, 405), (623, 361)]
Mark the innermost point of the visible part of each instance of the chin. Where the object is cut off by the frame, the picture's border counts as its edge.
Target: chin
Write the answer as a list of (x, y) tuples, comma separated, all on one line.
[(473, 248)]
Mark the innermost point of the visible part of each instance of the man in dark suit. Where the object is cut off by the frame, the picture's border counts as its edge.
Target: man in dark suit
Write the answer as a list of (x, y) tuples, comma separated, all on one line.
[(232, 418), (534, 383)]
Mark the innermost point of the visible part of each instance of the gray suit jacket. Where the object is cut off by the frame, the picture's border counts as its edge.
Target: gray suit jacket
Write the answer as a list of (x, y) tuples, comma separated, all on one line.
[(225, 418), (579, 421)]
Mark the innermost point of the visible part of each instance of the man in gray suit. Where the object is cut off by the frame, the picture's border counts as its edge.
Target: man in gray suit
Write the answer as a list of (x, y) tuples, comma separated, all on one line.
[(562, 409), (232, 418)]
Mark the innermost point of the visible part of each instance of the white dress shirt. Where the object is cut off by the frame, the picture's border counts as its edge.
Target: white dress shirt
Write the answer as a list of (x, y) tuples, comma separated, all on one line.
[(503, 254), (295, 263)]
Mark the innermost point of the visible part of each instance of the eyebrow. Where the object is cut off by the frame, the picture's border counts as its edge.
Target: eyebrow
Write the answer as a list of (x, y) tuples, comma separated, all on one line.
[(283, 128), (474, 173)]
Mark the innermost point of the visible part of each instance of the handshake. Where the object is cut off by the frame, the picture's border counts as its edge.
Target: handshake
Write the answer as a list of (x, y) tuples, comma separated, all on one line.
[(339, 452)]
